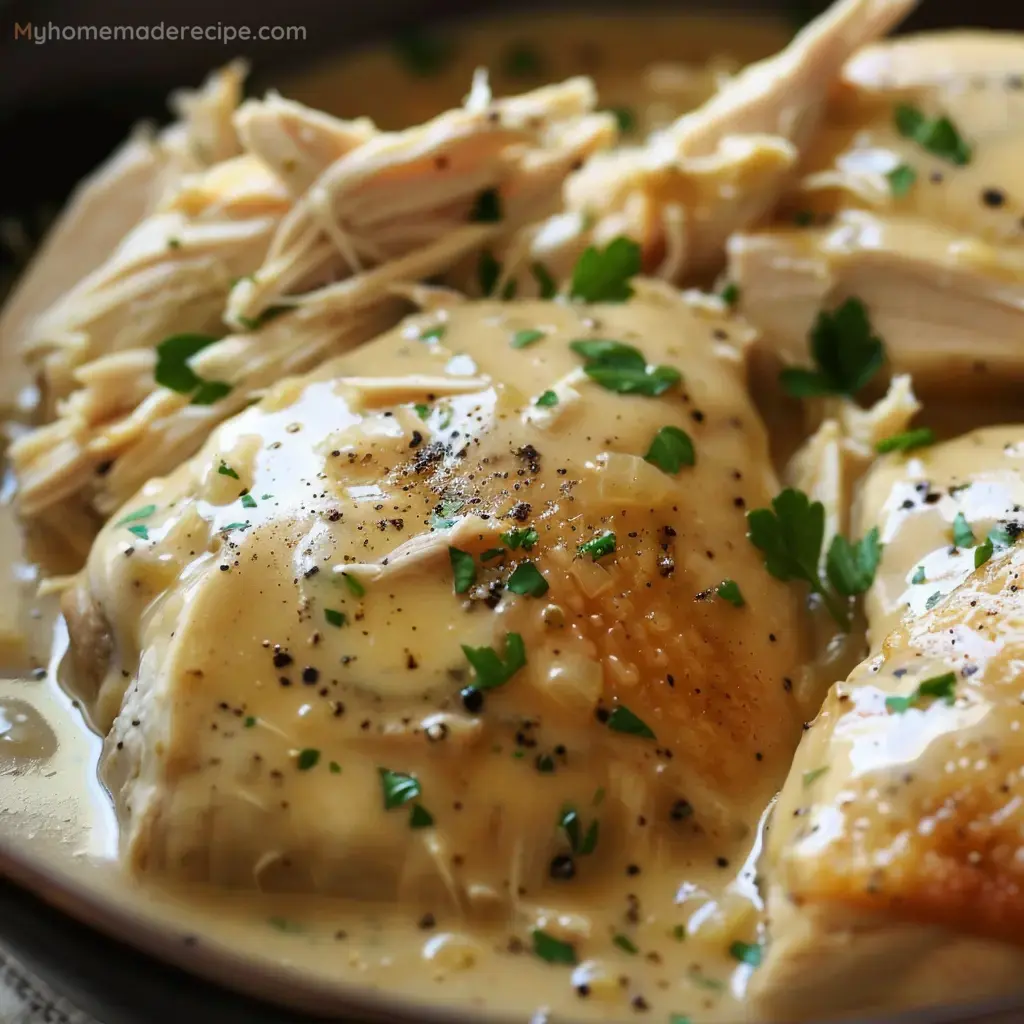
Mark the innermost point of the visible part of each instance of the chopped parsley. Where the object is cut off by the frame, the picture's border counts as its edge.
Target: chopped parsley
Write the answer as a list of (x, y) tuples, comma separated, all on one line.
[(622, 719), (308, 758), (625, 118), (225, 470), (623, 369), (524, 538), (282, 924), (487, 208), (809, 778), (901, 180), (907, 441), (489, 668), (248, 501), (356, 589), (236, 526), (846, 353), (140, 531), (174, 372), (625, 944), (526, 579), (998, 539), (963, 535), (582, 844), (334, 617), (791, 533), (670, 450), (420, 817), (422, 53), (423, 411), (522, 60), (334, 768), (938, 135), (140, 513), (443, 518), (553, 950), (545, 282), (250, 721), (598, 547), (398, 788), (492, 553), (730, 294), (254, 323), (933, 600), (679, 932), (435, 333), (463, 569), (488, 270), (746, 953), (982, 553), (918, 576), (679, 1018), (603, 275), (729, 590), (546, 399), (940, 687), (521, 339)]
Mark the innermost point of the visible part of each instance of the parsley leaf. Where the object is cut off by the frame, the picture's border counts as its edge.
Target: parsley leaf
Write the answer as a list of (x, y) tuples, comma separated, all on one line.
[(172, 356), (248, 501), (907, 441), (625, 118), (729, 590), (545, 282), (308, 758), (420, 817), (940, 687), (524, 538), (670, 450), (553, 950), (901, 180), (963, 535), (490, 670), (746, 953), (982, 553), (730, 294), (334, 617), (521, 339), (547, 399), (210, 392), (423, 411), (435, 333), (527, 580), (463, 569), (845, 351), (919, 576), (355, 588), (603, 275), (570, 823), (398, 787), (422, 53), (487, 208), (141, 532), (622, 368), (626, 944), (933, 600), (622, 719), (225, 470), (998, 539), (598, 547), (140, 513), (937, 135), (813, 775), (851, 567)]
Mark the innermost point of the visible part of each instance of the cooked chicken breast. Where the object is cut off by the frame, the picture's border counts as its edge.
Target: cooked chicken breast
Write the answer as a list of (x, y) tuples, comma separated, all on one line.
[(907, 199), (893, 859), (462, 506)]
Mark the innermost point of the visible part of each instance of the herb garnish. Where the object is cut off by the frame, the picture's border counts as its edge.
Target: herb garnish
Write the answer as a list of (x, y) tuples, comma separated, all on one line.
[(933, 600), (140, 513), (907, 441), (622, 368), (421, 53), (670, 450), (603, 275), (746, 953), (173, 370), (140, 531), (524, 538), (521, 339), (308, 758), (334, 617), (334, 768), (355, 587), (998, 539), (225, 470), (398, 787), (423, 411), (235, 526), (545, 282), (250, 721), (814, 774), (679, 1018), (901, 180), (938, 135), (625, 118), (553, 950), (420, 817), (729, 590), (791, 534), (625, 944), (487, 208), (526, 579), (581, 844), (546, 399), (463, 569), (446, 510), (489, 668), (248, 501), (919, 576), (622, 719), (488, 270), (435, 333), (730, 294), (598, 547), (963, 535), (941, 687), (982, 553), (846, 353), (522, 60)]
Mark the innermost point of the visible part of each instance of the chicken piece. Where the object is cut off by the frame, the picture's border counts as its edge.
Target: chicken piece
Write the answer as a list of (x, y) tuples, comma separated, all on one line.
[(926, 233), (291, 602), (118, 195), (893, 867), (717, 169)]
